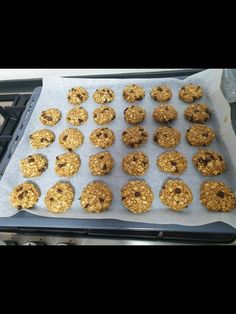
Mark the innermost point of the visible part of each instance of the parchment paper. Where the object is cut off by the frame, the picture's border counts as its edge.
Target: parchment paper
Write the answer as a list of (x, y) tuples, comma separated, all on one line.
[(54, 94)]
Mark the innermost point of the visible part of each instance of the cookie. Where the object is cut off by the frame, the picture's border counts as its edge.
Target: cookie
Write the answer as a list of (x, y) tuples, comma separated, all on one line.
[(42, 138), (101, 164), (176, 195), (77, 116), (135, 136), (135, 164), (33, 165), (134, 114), (189, 93), (77, 95), (217, 196), (96, 197), (209, 163), (172, 162), (102, 137), (200, 135), (161, 93), (67, 164), (103, 115), (50, 117), (132, 93), (103, 95), (166, 137), (71, 139), (59, 197), (25, 195), (137, 196), (164, 114), (198, 113)]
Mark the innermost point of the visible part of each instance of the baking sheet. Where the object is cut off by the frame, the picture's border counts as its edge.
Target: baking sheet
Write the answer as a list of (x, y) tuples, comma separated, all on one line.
[(54, 94)]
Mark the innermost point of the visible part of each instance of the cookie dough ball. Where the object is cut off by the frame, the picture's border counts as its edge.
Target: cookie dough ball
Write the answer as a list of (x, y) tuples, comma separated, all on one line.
[(200, 135), (67, 164), (189, 93), (135, 164), (104, 115), (33, 165), (209, 163), (134, 114), (217, 196), (164, 114), (77, 95), (50, 117), (132, 93), (198, 113), (135, 136), (167, 137), (103, 96), (161, 93), (137, 196), (172, 162), (96, 197), (176, 195), (42, 138), (59, 197), (77, 116), (25, 195), (71, 139), (102, 137), (101, 164)]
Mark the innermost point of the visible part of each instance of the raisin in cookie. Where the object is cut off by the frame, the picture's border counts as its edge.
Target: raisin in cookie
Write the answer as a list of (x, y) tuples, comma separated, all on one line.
[(137, 196), (134, 114), (77, 95), (135, 164), (189, 93), (77, 116), (135, 136), (67, 164), (172, 162), (103, 115), (200, 135), (71, 139), (164, 114), (166, 137), (101, 164), (176, 195), (209, 163), (25, 195), (50, 117), (33, 165), (161, 93), (102, 137), (103, 95), (59, 197), (132, 93), (96, 197), (42, 138), (198, 113), (217, 196)]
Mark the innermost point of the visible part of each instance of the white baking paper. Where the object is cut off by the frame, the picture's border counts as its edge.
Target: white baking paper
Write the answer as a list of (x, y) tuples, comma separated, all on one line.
[(54, 94)]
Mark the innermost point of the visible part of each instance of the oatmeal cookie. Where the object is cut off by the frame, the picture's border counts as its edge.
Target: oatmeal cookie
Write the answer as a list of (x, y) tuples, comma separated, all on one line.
[(164, 114), (166, 137), (67, 164), (198, 113), (132, 93), (102, 137), (103, 96), (50, 117), (77, 95), (77, 116), (135, 136), (135, 164), (104, 115), (33, 165), (101, 164), (25, 195), (200, 135), (42, 138), (172, 162), (134, 114), (189, 93), (161, 93), (71, 139)]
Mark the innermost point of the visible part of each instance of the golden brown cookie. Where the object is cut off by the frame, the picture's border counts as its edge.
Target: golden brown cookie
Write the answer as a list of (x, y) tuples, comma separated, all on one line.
[(104, 115), (132, 93), (164, 114), (101, 164), (96, 197), (200, 135), (176, 195), (172, 162), (71, 139), (42, 138), (209, 163), (59, 197), (67, 164), (217, 196), (198, 113), (77, 116), (137, 196), (103, 95), (77, 95), (161, 93), (135, 164), (50, 117), (102, 137), (189, 93), (33, 165), (134, 114), (135, 136), (166, 137), (25, 195)]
